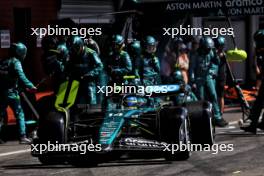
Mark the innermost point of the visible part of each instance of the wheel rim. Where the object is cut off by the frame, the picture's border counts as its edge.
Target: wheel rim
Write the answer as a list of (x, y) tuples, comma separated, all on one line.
[(184, 132), (212, 130)]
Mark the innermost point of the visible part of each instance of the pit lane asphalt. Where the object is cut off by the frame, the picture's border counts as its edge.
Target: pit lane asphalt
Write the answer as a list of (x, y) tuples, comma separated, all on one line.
[(247, 159)]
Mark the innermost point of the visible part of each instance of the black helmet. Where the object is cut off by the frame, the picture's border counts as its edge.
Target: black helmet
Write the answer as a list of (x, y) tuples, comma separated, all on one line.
[(175, 44), (259, 38), (206, 43), (49, 42), (183, 48), (177, 40), (18, 50), (219, 42)]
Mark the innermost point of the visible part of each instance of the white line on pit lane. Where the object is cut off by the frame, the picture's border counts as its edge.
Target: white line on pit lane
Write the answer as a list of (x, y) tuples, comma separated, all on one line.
[(233, 122), (226, 128), (14, 152)]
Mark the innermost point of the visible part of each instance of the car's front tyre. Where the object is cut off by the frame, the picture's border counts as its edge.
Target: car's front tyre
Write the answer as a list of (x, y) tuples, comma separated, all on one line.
[(174, 128)]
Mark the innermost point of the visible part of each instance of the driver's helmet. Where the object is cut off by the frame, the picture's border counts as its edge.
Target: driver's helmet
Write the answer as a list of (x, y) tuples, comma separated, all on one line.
[(130, 101)]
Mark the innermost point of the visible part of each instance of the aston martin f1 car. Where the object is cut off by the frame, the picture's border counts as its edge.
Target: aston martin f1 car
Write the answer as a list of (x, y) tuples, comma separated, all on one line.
[(137, 125)]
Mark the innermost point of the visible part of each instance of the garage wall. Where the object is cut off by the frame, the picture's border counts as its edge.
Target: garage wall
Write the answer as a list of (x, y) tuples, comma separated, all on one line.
[(40, 14), (87, 11)]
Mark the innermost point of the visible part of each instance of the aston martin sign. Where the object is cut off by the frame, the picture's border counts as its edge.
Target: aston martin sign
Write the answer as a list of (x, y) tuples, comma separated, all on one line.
[(210, 7)]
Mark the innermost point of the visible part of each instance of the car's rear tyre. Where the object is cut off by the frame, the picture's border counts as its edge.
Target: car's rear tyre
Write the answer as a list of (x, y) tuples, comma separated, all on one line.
[(174, 129), (52, 130), (201, 125)]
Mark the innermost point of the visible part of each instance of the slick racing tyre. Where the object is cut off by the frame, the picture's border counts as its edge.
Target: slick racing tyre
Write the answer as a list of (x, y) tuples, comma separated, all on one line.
[(52, 129), (174, 129), (201, 117)]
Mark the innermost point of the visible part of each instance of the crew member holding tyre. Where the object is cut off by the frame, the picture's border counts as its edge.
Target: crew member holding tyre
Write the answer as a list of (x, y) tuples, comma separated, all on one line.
[(11, 72)]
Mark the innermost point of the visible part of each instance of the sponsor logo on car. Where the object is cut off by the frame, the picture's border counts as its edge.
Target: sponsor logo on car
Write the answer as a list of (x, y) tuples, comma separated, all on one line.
[(137, 142)]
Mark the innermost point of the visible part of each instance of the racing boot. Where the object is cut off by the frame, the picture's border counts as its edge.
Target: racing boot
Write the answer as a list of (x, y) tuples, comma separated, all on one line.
[(261, 125), (251, 129), (24, 140), (221, 122), (1, 141)]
